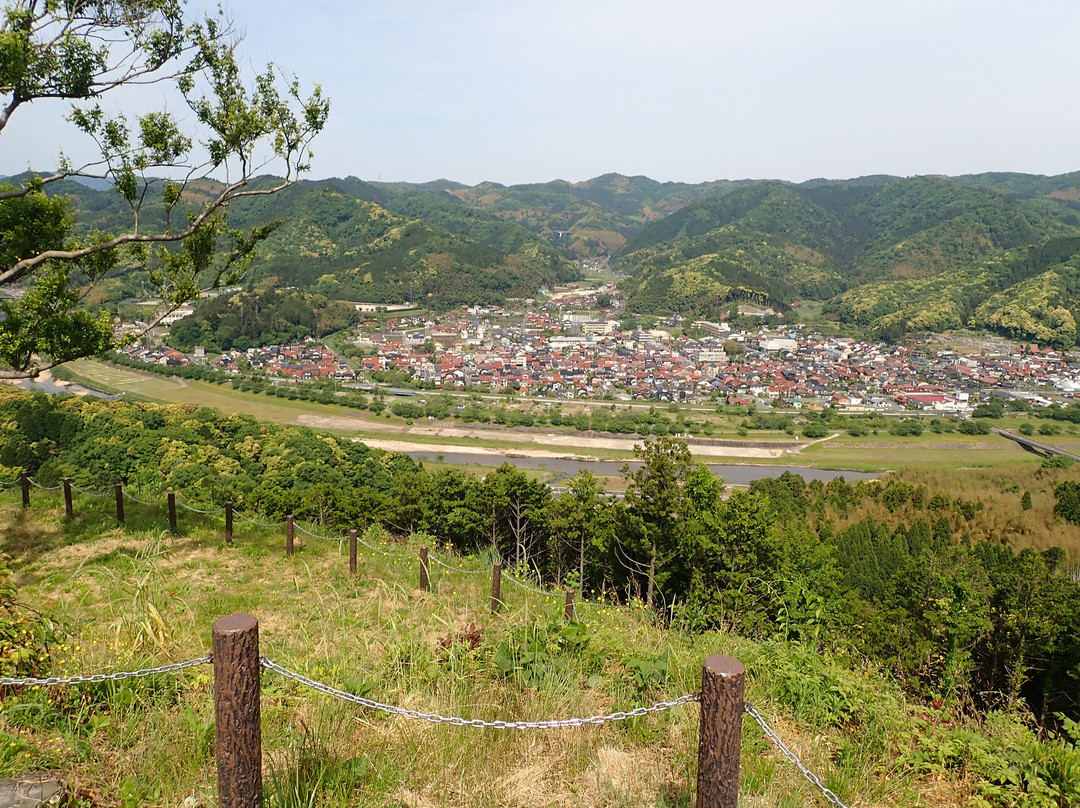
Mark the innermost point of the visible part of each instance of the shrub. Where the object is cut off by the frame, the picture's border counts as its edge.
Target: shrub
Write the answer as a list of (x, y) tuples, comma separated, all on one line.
[(974, 428)]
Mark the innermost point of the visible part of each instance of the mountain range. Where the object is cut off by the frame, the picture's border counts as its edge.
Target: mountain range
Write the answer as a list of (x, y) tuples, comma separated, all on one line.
[(886, 255)]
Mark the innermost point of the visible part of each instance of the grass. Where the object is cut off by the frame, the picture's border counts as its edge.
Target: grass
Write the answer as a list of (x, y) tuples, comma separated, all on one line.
[(135, 596)]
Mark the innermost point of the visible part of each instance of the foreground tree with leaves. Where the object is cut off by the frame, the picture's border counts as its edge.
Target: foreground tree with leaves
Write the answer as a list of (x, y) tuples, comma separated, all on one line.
[(179, 238)]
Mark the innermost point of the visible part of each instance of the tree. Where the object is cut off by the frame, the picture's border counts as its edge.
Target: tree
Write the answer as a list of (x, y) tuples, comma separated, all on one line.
[(1067, 506), (178, 234), (653, 501), (576, 521)]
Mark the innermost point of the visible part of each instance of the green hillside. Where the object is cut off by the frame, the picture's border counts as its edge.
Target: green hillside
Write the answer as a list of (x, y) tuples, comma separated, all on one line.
[(594, 217), (340, 229), (888, 254), (916, 250), (1026, 294)]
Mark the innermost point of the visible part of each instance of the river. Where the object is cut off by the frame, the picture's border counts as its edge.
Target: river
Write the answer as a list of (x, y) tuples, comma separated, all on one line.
[(732, 473)]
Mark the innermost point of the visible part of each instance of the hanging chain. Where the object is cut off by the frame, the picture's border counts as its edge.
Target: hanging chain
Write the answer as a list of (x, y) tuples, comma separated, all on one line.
[(791, 756), (52, 681), (474, 722)]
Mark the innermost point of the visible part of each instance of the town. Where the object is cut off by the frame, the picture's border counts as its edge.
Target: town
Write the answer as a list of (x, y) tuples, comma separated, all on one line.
[(577, 349)]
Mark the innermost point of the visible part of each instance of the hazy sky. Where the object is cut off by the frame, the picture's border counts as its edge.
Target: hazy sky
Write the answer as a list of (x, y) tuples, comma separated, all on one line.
[(690, 90)]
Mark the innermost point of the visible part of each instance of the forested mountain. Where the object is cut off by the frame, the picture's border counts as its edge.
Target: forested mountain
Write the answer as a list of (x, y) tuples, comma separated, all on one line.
[(926, 253), (338, 234), (585, 218), (888, 254)]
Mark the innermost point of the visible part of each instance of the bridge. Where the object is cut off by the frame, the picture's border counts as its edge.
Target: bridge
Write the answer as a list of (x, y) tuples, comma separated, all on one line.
[(1033, 445)]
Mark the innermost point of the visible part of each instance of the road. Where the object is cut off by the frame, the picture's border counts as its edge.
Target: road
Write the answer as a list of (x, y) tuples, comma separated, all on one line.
[(1034, 445)]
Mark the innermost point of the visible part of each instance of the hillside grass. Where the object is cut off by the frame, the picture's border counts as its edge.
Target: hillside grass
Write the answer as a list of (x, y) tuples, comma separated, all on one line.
[(135, 596)]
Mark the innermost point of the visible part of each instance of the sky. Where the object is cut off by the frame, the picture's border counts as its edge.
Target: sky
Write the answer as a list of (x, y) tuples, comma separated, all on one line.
[(518, 91)]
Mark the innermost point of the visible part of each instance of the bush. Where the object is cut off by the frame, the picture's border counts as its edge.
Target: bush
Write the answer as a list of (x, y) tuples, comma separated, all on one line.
[(907, 428), (1058, 462), (24, 638), (974, 428)]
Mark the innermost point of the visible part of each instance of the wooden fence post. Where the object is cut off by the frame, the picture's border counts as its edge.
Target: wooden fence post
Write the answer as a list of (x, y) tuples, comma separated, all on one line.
[(568, 610), (228, 522), (723, 681), (289, 535), (25, 479), (172, 512), (352, 552), (236, 711), (496, 587), (69, 511), (425, 584), (119, 490)]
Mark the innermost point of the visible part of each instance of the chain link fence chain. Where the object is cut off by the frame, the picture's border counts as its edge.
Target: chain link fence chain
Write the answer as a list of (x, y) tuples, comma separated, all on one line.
[(384, 552), (12, 484), (791, 756), (87, 493), (104, 677), (479, 723), (530, 588)]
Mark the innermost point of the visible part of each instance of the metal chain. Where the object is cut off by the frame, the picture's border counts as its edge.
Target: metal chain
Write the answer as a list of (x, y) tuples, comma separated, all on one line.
[(34, 482), (475, 722), (105, 677), (384, 552), (12, 484), (87, 493), (142, 502), (185, 506), (458, 569), (526, 586), (256, 522), (791, 756), (303, 529)]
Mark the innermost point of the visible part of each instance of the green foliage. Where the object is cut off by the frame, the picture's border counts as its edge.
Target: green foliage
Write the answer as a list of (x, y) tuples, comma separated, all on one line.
[(26, 637), (1010, 764), (175, 233), (648, 670), (536, 656), (908, 427), (263, 317), (773, 242), (994, 408), (199, 453), (361, 250), (1067, 506), (1057, 462), (974, 428)]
